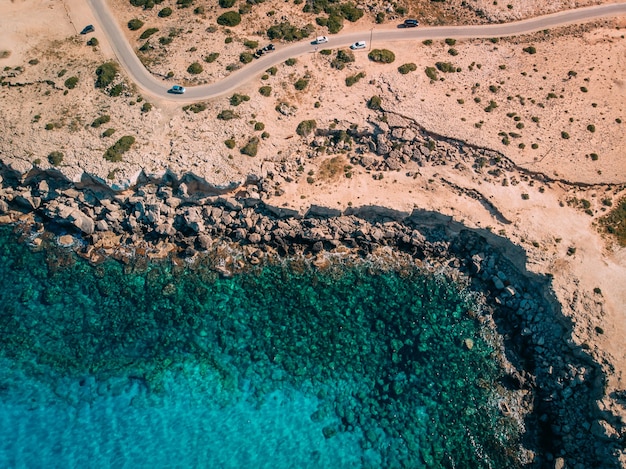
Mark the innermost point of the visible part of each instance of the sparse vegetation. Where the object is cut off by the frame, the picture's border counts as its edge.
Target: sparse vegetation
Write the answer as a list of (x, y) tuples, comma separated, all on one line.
[(614, 222), (115, 152), (227, 3), (343, 57), (265, 91), (291, 62), (195, 68), (230, 143), (146, 107), (227, 114), (250, 44), (246, 57), (259, 126), (195, 107), (353, 79), (301, 84), (108, 133), (212, 57), (431, 72), (93, 42), (165, 12), (530, 50), (287, 32)]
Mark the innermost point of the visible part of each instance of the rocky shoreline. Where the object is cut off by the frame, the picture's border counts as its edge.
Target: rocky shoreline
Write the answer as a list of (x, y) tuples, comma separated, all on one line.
[(561, 383)]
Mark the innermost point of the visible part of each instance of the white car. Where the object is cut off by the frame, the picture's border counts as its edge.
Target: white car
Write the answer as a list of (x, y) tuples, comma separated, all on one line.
[(358, 45), (321, 40)]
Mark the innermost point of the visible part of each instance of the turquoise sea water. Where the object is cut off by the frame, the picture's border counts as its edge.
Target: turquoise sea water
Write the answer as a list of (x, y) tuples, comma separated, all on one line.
[(282, 366)]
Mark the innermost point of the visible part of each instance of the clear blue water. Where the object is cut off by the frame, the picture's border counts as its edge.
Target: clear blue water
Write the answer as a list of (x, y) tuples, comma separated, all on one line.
[(283, 366)]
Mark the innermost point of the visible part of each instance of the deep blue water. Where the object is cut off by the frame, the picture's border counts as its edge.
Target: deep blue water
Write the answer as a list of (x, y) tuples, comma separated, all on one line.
[(282, 366)]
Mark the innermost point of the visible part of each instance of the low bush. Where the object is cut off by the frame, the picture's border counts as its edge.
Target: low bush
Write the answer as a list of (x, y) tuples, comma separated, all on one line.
[(291, 62), (98, 121), (212, 57), (251, 148), (71, 83), (93, 42), (342, 58), (407, 68), (265, 91), (530, 50), (146, 107), (591, 128), (564, 135), (135, 24), (227, 114), (226, 3), (306, 127), (272, 71), (230, 18), (382, 56), (431, 72), (184, 3), (353, 79), (374, 103), (288, 32), (246, 57), (195, 68), (237, 99), (450, 41), (445, 67), (55, 158), (105, 74), (301, 84), (230, 143), (148, 32), (251, 44), (195, 107), (165, 12), (259, 126), (117, 150), (108, 132)]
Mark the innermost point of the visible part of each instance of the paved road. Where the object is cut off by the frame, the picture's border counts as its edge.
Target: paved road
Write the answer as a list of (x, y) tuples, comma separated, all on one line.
[(151, 85)]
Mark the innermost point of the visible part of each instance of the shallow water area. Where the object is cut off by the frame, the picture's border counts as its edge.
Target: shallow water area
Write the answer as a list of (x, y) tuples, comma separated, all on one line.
[(281, 366)]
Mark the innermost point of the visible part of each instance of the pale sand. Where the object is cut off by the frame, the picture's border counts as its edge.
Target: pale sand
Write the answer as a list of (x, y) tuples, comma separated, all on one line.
[(185, 142)]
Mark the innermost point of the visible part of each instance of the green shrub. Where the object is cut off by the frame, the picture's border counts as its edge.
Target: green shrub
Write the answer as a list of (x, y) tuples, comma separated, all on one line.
[(195, 107), (614, 222), (353, 79), (564, 135), (427, 42), (334, 23), (431, 72), (407, 68), (228, 40), (380, 17), (374, 103), (198, 10), (594, 156), (291, 62), (326, 52), (265, 91), (382, 56), (237, 99), (530, 50), (301, 84), (343, 57), (251, 147), (251, 44), (115, 152), (306, 127), (230, 143), (230, 18), (227, 3), (288, 32), (491, 107), (583, 89), (212, 57), (146, 107), (116, 90), (445, 67), (195, 68), (246, 57), (452, 51), (105, 74), (98, 121), (350, 12), (135, 24), (258, 126), (71, 83), (93, 42), (591, 128), (265, 135), (184, 3), (450, 41), (108, 132), (55, 158), (227, 114), (148, 32), (165, 12), (272, 71)]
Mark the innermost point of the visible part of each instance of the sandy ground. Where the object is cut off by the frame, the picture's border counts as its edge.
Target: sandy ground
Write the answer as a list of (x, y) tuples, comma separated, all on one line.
[(539, 96)]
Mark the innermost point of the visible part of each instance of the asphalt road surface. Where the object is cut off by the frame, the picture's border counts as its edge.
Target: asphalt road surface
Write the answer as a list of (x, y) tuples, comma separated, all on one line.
[(159, 88)]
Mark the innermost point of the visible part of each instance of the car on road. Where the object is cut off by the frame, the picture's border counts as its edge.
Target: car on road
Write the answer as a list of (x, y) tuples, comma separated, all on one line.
[(88, 29), (177, 89), (269, 48), (410, 23), (358, 45), (320, 40), (259, 53)]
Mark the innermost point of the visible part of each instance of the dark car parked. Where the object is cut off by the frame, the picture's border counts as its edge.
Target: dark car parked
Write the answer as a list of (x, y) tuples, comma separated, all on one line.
[(411, 23), (88, 29)]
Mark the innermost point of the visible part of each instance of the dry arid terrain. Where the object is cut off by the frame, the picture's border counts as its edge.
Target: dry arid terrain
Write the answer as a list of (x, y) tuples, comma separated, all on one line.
[(551, 104)]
